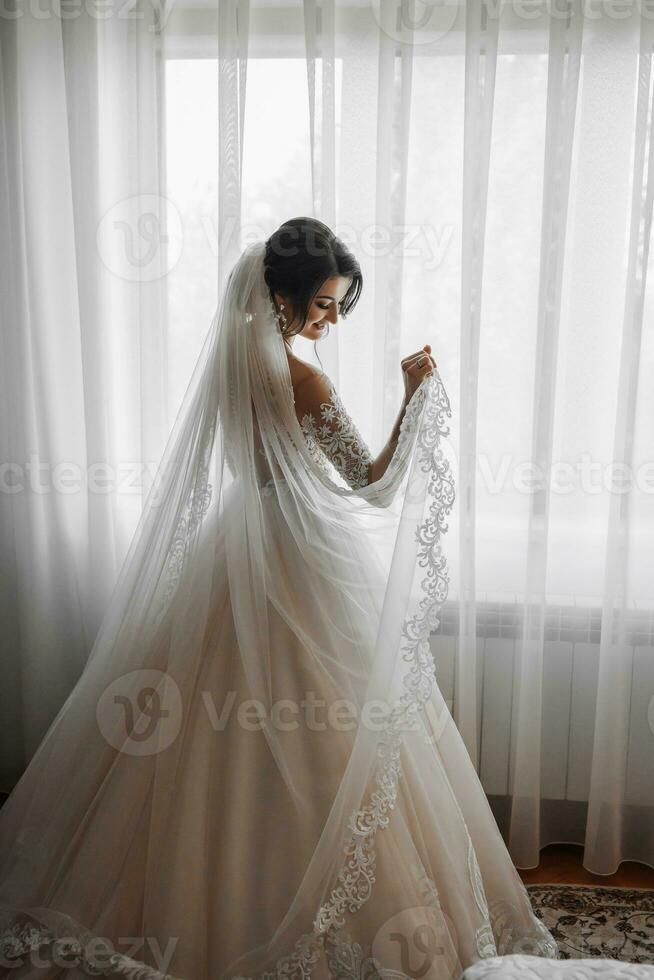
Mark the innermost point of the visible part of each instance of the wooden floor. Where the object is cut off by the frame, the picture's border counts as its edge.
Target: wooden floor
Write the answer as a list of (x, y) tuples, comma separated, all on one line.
[(561, 864)]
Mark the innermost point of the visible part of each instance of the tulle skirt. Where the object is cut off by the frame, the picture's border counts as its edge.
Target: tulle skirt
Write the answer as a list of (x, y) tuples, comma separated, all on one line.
[(194, 852)]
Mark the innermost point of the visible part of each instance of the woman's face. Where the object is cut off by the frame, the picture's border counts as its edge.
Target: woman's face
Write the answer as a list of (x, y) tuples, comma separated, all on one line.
[(324, 307)]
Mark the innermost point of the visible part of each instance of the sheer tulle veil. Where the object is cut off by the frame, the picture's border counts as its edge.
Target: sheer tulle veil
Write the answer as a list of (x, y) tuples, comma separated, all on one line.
[(236, 476)]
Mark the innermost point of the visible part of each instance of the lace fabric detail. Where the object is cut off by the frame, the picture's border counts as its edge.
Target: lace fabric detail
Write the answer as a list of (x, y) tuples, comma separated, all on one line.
[(188, 524), (335, 439), (349, 960), (537, 941), (358, 874), (499, 933), (484, 936), (426, 886)]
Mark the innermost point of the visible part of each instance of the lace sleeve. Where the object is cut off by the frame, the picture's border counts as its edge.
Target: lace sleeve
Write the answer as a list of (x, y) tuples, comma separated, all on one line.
[(330, 432)]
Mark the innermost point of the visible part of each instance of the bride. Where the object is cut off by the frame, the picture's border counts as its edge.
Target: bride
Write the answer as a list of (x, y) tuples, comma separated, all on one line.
[(256, 775)]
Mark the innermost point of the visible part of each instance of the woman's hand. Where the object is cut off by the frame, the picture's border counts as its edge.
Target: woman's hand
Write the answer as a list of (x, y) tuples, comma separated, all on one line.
[(415, 367)]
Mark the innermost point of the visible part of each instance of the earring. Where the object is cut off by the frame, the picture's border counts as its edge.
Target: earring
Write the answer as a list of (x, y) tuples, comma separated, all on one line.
[(282, 319)]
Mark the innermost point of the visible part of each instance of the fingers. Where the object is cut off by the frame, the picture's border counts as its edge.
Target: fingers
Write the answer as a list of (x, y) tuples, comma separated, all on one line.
[(418, 365), (426, 350), (412, 359), (417, 370), (421, 362)]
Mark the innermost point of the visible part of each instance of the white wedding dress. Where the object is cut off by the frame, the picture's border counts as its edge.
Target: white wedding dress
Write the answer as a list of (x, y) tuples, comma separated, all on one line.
[(289, 796)]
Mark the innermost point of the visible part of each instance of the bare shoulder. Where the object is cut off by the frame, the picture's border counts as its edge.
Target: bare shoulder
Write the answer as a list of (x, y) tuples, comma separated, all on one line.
[(304, 376), (311, 387)]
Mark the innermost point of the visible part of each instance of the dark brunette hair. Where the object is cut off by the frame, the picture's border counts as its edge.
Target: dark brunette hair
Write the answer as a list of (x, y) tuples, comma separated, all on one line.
[(300, 256)]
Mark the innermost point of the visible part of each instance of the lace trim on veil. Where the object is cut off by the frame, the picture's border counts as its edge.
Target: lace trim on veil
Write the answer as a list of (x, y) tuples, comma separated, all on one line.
[(187, 528)]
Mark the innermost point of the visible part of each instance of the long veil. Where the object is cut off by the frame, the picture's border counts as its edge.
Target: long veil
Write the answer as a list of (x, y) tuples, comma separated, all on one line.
[(357, 590)]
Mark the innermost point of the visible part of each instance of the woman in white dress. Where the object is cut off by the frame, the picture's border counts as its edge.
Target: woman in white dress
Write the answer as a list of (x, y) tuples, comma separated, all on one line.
[(256, 774)]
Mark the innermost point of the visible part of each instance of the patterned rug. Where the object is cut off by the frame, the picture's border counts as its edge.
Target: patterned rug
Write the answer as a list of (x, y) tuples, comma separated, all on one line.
[(589, 921)]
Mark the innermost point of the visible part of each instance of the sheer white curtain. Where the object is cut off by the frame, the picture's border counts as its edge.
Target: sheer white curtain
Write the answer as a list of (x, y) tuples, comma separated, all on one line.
[(490, 165), (83, 368)]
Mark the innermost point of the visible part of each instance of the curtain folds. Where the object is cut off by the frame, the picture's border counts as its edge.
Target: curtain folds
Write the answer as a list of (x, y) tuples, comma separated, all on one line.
[(481, 38), (493, 173), (564, 58)]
